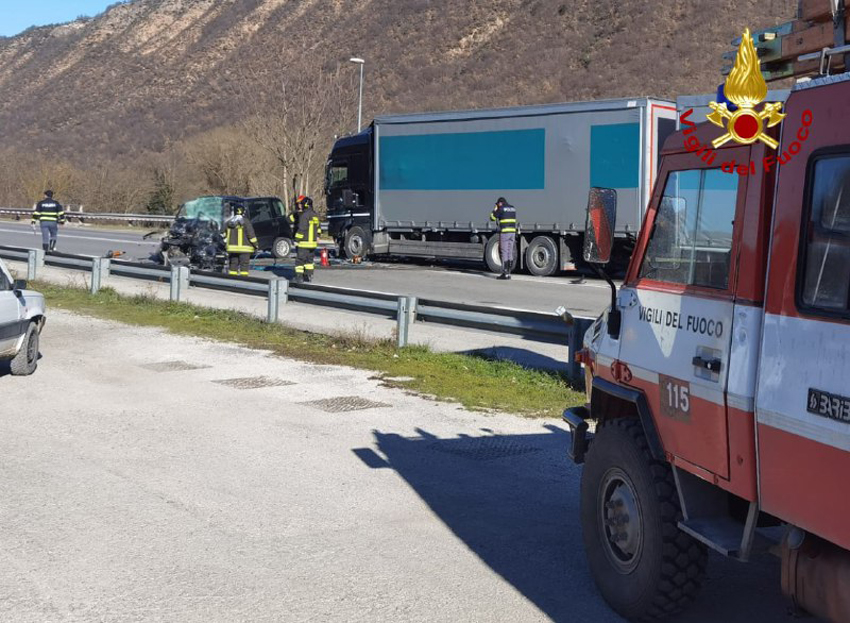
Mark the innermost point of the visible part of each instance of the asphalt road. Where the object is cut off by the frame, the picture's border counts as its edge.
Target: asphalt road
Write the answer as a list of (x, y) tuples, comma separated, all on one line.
[(79, 240), (134, 490), (460, 283)]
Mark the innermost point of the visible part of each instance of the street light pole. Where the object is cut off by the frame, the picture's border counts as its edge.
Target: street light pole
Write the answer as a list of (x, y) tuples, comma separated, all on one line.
[(360, 62)]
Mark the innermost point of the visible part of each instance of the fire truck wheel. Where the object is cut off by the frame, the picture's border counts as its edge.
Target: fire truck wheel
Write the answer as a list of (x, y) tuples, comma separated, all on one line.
[(644, 566)]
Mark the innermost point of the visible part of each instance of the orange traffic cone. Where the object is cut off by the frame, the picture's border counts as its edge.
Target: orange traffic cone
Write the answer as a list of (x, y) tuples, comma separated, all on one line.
[(324, 255)]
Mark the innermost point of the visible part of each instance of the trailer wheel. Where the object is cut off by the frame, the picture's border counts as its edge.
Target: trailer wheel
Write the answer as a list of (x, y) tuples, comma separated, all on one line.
[(541, 256), (644, 566), (357, 242), (492, 257)]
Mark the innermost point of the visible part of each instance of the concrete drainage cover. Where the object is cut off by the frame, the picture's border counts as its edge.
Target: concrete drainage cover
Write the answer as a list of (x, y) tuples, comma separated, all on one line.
[(483, 448), (173, 366), (254, 382), (341, 404)]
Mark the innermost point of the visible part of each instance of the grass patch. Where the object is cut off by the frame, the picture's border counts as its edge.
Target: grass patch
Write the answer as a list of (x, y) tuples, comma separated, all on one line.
[(475, 382)]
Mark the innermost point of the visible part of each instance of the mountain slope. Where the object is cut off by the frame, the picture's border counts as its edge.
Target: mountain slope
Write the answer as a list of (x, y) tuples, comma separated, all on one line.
[(152, 72)]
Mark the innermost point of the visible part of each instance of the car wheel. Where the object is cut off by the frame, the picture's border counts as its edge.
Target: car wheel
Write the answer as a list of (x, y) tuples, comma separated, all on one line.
[(492, 256), (26, 361), (282, 248), (357, 242), (541, 256), (644, 566)]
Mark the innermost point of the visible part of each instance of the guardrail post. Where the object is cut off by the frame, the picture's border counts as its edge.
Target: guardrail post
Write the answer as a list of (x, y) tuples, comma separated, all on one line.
[(96, 274), (35, 260), (405, 316), (179, 282), (278, 295)]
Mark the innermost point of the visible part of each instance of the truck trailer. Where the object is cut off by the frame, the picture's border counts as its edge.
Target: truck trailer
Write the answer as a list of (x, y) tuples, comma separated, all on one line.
[(423, 185)]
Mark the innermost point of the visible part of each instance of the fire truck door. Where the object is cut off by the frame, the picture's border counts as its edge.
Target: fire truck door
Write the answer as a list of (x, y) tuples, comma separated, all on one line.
[(677, 309), (803, 396)]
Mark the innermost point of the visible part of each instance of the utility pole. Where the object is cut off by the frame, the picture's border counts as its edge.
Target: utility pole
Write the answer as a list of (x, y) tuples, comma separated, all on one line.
[(361, 62)]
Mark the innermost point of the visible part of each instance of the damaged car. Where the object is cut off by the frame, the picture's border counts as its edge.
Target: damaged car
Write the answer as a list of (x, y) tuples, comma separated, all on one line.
[(196, 239)]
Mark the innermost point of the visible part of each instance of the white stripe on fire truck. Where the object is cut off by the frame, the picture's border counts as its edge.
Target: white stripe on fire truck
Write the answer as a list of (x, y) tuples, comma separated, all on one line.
[(799, 355), (802, 428), (715, 396), (742, 403)]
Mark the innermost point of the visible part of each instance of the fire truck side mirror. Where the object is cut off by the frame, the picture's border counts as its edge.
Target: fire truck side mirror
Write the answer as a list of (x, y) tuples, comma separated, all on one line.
[(599, 228)]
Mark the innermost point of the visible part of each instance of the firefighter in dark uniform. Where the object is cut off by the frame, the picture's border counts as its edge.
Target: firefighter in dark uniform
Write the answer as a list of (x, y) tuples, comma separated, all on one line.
[(505, 215), (241, 240), (50, 214), (307, 230)]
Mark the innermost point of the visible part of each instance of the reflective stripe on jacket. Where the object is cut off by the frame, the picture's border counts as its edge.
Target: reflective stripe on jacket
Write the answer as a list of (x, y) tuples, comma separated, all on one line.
[(240, 238), (307, 229), (48, 211), (506, 217)]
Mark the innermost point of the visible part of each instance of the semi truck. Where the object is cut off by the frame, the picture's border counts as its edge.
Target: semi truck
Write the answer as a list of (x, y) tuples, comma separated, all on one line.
[(423, 185), (718, 403)]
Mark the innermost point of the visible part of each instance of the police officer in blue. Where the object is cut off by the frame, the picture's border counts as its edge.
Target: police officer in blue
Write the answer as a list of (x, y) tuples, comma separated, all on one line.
[(50, 214)]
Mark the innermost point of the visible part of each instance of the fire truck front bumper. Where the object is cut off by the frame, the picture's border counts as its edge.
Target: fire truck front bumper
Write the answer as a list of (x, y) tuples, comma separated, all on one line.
[(576, 418)]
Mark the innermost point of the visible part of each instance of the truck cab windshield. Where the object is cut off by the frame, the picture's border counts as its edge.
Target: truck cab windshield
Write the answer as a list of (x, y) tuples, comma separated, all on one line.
[(691, 240)]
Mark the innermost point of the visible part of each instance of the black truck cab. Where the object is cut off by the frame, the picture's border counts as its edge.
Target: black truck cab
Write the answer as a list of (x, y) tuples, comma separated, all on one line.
[(349, 191)]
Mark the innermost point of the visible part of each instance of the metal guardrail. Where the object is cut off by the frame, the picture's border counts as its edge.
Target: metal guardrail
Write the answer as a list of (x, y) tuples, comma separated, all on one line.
[(96, 216), (536, 326)]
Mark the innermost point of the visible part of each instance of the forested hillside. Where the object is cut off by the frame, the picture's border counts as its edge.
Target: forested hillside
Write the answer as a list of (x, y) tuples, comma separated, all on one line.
[(155, 100)]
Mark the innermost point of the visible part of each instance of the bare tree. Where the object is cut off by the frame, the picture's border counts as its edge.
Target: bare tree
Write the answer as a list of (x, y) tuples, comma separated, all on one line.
[(41, 174), (296, 122), (226, 159)]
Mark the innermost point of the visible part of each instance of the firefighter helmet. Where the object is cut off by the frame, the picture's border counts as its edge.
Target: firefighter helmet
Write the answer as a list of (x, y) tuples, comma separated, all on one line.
[(306, 202)]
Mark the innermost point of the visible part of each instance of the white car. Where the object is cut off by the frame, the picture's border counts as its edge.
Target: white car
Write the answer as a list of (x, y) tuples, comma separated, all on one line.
[(21, 321)]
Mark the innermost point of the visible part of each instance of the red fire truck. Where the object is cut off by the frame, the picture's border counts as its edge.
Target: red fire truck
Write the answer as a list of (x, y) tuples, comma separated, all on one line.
[(718, 381)]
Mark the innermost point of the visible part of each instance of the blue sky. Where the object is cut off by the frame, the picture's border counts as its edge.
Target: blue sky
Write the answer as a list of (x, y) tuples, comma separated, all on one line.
[(18, 15)]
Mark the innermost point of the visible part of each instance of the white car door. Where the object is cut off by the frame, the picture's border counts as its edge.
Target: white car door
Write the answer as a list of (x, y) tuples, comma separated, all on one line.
[(10, 313)]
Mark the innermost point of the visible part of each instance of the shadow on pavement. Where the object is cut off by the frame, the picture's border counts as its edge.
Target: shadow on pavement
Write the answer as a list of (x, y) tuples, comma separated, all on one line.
[(288, 272), (513, 500), (524, 357), (6, 366)]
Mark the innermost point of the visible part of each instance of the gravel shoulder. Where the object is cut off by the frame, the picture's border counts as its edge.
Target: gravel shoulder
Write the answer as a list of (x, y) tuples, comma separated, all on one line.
[(144, 479)]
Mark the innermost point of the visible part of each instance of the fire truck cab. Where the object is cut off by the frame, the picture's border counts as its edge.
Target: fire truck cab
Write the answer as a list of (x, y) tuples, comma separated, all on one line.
[(719, 380)]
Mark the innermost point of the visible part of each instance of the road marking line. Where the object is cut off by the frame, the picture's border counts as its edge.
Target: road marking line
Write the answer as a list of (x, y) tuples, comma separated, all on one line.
[(540, 280), (73, 237)]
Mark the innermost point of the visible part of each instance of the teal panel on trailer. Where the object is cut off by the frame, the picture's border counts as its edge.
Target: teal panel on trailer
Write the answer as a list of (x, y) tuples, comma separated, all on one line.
[(615, 155), (511, 159)]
